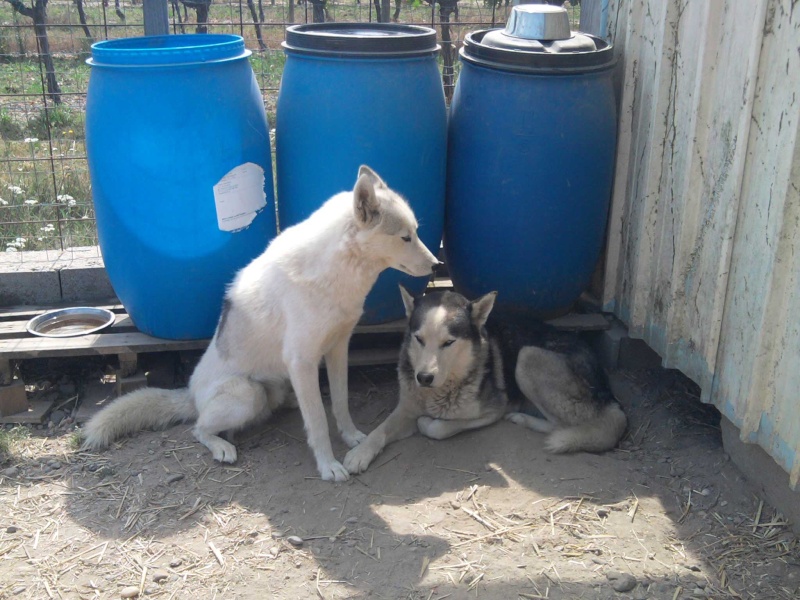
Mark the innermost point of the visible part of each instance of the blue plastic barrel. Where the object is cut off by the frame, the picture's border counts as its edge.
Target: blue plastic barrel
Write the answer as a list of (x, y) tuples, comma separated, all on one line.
[(531, 147), (354, 94), (179, 159)]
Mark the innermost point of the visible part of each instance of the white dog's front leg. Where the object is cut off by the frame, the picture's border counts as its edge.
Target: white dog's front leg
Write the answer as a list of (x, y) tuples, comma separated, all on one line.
[(336, 365), (305, 380)]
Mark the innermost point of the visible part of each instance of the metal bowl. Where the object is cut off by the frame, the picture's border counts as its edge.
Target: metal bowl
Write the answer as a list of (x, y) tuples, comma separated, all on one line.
[(538, 22), (70, 322)]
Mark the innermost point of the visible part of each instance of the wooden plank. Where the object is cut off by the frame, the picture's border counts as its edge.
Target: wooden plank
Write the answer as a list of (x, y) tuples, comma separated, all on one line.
[(581, 322), (34, 415), (16, 328), (15, 313), (97, 343)]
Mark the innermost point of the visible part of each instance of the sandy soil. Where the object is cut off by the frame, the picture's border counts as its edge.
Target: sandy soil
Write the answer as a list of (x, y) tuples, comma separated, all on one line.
[(486, 514)]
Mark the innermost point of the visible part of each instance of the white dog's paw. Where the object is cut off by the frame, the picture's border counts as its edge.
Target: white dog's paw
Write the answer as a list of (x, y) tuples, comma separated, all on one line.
[(431, 428), (333, 471), (516, 417), (353, 438), (359, 458), (222, 451)]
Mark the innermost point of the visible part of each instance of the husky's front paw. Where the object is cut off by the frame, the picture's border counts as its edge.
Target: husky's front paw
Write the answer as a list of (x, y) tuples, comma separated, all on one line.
[(431, 428), (333, 471), (359, 458), (353, 438)]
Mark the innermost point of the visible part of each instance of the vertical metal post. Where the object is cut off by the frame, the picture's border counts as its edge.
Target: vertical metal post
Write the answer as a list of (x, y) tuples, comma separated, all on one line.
[(156, 20)]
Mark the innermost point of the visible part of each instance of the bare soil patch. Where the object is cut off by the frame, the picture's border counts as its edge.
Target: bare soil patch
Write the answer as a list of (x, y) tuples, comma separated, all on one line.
[(486, 514)]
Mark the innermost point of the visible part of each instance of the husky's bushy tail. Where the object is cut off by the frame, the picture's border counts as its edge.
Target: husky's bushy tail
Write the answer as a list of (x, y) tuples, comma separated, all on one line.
[(597, 435), (147, 408)]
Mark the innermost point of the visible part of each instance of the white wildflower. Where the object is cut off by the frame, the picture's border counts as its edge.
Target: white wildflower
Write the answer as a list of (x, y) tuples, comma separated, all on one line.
[(10, 249), (47, 228), (30, 140), (3, 202), (16, 190), (31, 202)]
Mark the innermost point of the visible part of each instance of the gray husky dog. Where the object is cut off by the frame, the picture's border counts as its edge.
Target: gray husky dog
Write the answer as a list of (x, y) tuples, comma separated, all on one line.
[(459, 369)]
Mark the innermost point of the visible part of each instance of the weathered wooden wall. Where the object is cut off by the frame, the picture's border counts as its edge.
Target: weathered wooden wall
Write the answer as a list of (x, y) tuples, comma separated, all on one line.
[(703, 256)]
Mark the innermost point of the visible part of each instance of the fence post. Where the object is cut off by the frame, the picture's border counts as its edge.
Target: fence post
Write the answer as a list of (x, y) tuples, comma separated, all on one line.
[(156, 21)]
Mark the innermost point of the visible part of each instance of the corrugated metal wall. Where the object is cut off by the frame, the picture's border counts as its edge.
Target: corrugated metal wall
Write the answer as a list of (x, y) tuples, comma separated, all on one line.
[(703, 257)]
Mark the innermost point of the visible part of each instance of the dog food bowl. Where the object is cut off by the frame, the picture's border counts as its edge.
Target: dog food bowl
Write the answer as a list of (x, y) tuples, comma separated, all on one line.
[(70, 322), (538, 22)]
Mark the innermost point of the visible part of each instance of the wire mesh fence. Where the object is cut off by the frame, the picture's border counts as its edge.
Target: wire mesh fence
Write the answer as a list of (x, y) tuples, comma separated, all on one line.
[(46, 209)]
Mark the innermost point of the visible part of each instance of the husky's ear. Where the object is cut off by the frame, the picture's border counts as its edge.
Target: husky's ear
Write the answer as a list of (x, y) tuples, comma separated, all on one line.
[(481, 308), (408, 300), (366, 205)]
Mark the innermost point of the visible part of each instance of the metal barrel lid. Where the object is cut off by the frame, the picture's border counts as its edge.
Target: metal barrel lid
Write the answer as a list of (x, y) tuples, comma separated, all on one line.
[(535, 61), (360, 40)]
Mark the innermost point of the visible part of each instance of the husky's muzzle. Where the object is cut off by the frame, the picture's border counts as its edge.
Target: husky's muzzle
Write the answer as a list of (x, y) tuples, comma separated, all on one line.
[(425, 379)]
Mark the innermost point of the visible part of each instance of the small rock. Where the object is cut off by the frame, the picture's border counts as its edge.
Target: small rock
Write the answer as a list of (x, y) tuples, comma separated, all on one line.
[(129, 592), (455, 504), (11, 529), (54, 465), (18, 590), (488, 467), (295, 541), (724, 503), (705, 492), (602, 513), (351, 520), (621, 582), (175, 477), (698, 593), (57, 416), (105, 471), (277, 535), (274, 551), (11, 472), (175, 563), (160, 576)]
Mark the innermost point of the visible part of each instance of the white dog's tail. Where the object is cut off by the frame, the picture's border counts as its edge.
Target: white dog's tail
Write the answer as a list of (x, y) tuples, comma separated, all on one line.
[(147, 408), (597, 435)]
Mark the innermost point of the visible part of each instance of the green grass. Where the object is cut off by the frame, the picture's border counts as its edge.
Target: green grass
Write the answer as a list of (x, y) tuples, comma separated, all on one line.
[(9, 437), (45, 193)]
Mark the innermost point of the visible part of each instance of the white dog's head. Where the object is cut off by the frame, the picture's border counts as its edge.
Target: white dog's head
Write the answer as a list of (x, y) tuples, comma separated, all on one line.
[(387, 226), (444, 337)]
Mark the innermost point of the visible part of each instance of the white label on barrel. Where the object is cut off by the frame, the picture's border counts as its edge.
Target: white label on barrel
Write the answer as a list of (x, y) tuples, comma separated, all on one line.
[(239, 196)]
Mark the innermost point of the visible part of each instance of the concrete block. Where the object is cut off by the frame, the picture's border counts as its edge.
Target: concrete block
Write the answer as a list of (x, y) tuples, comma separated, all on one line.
[(13, 399), (607, 344), (126, 385), (636, 354), (29, 287), (85, 284), (763, 472)]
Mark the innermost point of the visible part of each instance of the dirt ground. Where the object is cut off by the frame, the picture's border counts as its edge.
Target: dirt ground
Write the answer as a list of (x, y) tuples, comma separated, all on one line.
[(486, 514)]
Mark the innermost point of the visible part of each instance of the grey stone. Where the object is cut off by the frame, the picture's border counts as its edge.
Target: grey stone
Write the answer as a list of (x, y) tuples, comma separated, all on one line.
[(621, 582)]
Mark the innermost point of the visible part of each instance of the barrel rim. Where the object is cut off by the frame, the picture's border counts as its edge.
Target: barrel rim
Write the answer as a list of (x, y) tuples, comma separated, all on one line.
[(168, 50), (522, 61), (384, 40)]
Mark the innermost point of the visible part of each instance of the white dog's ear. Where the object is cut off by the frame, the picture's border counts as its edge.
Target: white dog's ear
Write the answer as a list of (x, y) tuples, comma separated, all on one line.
[(481, 308), (408, 300), (365, 170), (365, 200)]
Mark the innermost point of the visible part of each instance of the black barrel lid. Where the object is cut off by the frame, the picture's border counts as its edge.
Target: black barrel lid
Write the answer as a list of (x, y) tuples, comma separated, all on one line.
[(538, 62), (365, 40)]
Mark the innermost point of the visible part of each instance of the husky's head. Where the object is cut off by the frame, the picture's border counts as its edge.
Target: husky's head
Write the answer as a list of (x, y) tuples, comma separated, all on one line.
[(388, 228), (444, 336)]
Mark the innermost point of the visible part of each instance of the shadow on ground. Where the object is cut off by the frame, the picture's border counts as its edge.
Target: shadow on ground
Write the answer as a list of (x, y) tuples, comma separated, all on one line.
[(486, 514)]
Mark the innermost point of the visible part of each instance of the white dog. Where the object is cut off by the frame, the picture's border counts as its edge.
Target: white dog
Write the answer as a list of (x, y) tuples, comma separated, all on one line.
[(293, 305)]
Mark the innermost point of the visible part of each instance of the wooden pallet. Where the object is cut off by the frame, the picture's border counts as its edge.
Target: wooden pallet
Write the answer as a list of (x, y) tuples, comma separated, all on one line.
[(124, 341)]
